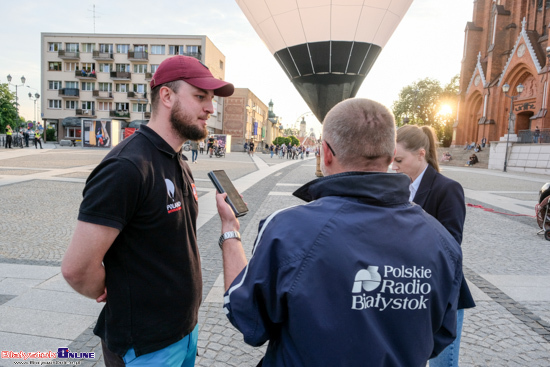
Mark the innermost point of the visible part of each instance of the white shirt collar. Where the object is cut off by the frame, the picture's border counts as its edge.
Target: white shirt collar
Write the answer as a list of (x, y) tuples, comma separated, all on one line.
[(413, 187)]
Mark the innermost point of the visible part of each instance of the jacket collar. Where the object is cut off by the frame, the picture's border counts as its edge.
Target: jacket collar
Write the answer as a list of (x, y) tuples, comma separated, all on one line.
[(375, 187), (425, 186)]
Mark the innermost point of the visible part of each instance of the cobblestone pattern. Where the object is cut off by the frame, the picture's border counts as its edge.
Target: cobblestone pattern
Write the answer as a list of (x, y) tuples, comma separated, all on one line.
[(54, 159), (471, 180), (504, 245), (493, 337), (38, 220)]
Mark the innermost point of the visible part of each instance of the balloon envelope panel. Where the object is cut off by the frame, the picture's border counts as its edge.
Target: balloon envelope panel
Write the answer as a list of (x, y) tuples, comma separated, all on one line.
[(326, 47)]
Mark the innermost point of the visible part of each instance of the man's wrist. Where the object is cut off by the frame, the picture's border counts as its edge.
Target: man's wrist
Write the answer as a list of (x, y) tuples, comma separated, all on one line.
[(228, 235)]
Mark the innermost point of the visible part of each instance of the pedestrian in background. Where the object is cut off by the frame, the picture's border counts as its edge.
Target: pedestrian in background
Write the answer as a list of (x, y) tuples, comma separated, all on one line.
[(325, 283), (135, 245), (536, 135), (194, 150), (439, 196), (201, 146), (37, 141), (9, 133)]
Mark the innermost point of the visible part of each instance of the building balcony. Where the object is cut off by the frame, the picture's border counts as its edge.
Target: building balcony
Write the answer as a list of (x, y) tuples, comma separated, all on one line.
[(138, 56), (148, 76), (196, 55), (137, 96), (121, 75), (69, 93), (85, 113), (120, 114), (102, 95), (68, 55), (102, 55), (81, 74)]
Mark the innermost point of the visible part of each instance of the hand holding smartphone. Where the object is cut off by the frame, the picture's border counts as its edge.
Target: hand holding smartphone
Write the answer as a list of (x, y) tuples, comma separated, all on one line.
[(222, 183)]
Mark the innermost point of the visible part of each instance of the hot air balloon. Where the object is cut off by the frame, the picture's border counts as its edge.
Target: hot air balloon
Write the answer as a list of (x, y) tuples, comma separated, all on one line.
[(326, 47)]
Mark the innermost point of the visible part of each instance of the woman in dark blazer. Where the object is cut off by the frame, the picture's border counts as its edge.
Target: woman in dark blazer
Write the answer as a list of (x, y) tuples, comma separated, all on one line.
[(439, 196)]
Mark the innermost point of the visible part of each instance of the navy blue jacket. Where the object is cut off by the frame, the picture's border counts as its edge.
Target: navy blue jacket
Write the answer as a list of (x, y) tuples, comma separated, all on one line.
[(359, 276), (443, 198)]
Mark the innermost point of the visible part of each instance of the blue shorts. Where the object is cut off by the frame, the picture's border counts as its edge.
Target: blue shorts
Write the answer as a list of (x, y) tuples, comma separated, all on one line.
[(179, 354)]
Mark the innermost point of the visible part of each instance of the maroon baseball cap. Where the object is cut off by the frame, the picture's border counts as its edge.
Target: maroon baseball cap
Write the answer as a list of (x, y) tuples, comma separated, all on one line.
[(191, 71)]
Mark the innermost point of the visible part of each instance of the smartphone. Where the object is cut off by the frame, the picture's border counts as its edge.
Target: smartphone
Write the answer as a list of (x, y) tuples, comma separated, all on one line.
[(222, 183)]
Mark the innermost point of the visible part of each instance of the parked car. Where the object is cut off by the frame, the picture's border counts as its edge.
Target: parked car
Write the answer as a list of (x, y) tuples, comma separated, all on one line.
[(187, 146)]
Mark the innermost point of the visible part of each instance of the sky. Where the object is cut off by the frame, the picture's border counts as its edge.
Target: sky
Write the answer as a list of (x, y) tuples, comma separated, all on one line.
[(428, 43)]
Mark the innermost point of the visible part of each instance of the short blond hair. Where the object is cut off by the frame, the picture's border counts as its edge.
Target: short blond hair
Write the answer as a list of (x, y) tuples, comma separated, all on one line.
[(360, 131)]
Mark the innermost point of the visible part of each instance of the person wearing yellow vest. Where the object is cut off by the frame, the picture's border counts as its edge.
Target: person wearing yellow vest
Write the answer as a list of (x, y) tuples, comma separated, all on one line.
[(37, 139), (9, 133)]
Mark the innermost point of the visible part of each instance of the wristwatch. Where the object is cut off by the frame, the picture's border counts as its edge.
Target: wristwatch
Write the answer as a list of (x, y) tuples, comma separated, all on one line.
[(228, 235)]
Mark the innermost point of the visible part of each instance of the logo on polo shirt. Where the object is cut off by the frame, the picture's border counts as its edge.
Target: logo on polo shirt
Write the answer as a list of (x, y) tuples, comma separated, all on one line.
[(171, 190), (391, 288)]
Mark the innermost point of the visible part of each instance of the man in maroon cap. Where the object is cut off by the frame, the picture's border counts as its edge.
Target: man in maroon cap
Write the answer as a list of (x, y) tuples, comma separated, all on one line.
[(135, 243)]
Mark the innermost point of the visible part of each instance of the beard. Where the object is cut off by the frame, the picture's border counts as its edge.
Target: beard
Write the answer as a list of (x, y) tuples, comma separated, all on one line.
[(182, 124)]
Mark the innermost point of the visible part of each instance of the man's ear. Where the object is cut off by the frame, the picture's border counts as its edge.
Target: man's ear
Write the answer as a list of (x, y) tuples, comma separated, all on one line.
[(166, 97), (326, 154)]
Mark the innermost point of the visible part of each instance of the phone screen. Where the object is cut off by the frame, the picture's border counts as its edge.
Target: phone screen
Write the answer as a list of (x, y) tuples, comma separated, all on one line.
[(223, 184)]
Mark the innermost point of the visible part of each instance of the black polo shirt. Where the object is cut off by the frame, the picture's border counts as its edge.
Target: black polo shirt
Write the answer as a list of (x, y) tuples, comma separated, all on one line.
[(153, 272)]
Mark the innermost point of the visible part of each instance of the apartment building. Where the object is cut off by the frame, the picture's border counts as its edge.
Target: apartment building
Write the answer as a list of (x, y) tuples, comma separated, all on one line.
[(107, 76)]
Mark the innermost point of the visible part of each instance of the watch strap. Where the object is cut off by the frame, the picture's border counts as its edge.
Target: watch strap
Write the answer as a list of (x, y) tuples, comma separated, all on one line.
[(228, 235)]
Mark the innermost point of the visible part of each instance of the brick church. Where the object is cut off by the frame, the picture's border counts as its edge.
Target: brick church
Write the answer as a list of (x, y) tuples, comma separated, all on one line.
[(506, 43)]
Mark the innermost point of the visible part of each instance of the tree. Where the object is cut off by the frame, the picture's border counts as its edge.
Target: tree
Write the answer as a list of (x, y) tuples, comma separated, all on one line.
[(8, 112), (423, 103), (281, 140), (294, 140)]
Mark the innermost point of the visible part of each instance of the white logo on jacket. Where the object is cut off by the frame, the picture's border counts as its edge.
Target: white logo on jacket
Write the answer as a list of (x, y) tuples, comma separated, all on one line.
[(401, 288)]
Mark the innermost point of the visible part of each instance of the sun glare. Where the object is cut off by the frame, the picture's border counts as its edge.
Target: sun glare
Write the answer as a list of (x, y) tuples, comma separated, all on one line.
[(445, 110)]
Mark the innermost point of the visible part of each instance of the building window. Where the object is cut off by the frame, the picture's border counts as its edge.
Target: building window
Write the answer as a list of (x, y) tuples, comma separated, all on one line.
[(125, 68), (122, 88), (71, 66), (54, 103), (87, 105), (106, 48), (73, 132), (154, 68), (221, 64), (192, 50), (104, 106), (88, 47), (71, 105), (122, 49), (54, 84), (140, 68), (88, 86), (105, 68), (139, 107), (140, 88), (54, 46), (54, 66), (122, 106), (71, 47), (140, 48), (73, 85), (88, 66), (176, 50), (105, 87), (158, 50)]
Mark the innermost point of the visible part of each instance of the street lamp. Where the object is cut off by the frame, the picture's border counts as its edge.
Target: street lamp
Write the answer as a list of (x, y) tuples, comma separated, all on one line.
[(505, 89), (36, 96), (16, 100)]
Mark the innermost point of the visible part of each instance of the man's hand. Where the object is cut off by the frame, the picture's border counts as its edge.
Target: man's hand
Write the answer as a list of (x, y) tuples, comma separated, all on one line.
[(234, 260), (229, 220)]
